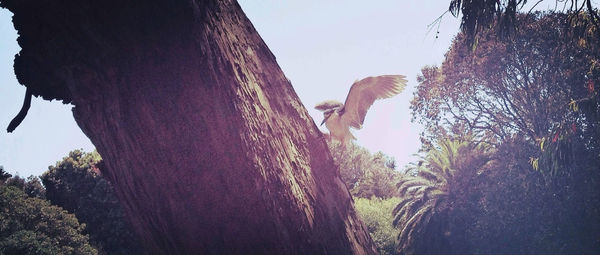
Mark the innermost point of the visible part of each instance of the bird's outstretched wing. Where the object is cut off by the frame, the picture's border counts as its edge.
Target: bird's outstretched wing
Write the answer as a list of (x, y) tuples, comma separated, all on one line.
[(364, 92), (329, 104)]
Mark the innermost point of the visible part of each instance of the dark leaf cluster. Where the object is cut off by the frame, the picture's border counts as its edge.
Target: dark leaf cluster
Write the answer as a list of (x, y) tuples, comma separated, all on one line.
[(75, 184)]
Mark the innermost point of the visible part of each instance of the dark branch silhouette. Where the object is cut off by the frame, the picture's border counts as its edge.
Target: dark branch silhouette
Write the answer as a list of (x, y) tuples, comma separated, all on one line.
[(16, 121)]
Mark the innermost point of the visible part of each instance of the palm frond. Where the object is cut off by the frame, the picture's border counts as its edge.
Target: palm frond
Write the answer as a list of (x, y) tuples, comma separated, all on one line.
[(427, 194), (413, 183)]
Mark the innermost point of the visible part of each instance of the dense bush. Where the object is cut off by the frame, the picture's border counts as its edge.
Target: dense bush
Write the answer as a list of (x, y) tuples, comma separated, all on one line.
[(376, 213)]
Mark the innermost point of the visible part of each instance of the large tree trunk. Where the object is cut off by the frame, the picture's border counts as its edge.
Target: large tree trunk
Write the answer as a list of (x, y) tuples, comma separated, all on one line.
[(202, 136)]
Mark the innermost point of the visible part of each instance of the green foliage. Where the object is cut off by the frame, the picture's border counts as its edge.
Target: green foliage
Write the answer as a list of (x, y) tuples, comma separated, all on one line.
[(364, 174), (31, 186), (16, 181), (34, 188), (71, 179), (430, 200), (3, 175), (500, 16), (376, 213), (467, 199), (533, 100), (522, 211), (33, 226), (513, 88), (371, 179), (75, 184), (481, 15)]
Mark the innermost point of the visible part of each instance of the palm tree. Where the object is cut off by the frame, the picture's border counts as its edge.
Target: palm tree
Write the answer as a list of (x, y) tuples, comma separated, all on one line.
[(426, 199)]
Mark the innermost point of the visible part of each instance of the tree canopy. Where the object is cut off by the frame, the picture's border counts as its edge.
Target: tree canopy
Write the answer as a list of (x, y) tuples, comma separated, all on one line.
[(75, 184), (521, 87), (532, 103), (31, 186), (501, 15), (365, 175), (31, 225)]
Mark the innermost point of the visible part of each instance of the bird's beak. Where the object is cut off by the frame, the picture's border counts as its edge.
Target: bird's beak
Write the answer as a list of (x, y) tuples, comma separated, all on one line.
[(323, 122)]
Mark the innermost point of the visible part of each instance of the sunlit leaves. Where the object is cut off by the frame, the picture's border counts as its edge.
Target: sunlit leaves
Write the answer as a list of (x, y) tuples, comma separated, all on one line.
[(573, 105), (535, 163), (376, 213)]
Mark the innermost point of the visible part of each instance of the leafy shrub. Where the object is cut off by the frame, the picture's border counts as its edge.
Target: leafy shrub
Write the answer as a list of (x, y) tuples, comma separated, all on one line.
[(377, 215)]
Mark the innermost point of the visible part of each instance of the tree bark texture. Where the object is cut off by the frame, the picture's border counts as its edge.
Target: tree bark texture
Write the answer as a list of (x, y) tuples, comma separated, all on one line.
[(204, 139)]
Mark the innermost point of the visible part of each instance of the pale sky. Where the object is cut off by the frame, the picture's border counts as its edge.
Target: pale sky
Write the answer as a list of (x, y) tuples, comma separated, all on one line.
[(321, 46)]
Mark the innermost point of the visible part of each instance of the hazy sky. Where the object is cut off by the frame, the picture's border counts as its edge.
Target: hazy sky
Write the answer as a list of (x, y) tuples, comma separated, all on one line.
[(321, 46)]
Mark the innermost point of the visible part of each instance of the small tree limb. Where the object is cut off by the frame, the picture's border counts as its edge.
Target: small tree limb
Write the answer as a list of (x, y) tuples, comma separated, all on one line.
[(16, 121)]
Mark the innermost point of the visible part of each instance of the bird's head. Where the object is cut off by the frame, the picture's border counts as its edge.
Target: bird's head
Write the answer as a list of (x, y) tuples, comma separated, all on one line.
[(327, 114), (328, 107)]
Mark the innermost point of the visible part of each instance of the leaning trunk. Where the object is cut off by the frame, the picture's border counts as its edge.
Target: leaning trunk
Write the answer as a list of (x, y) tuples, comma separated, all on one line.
[(204, 139)]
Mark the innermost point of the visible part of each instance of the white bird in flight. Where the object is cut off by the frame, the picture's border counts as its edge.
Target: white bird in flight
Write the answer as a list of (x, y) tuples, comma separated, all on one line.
[(338, 117)]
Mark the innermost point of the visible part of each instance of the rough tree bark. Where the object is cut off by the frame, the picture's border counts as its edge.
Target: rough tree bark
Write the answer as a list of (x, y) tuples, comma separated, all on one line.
[(203, 137)]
